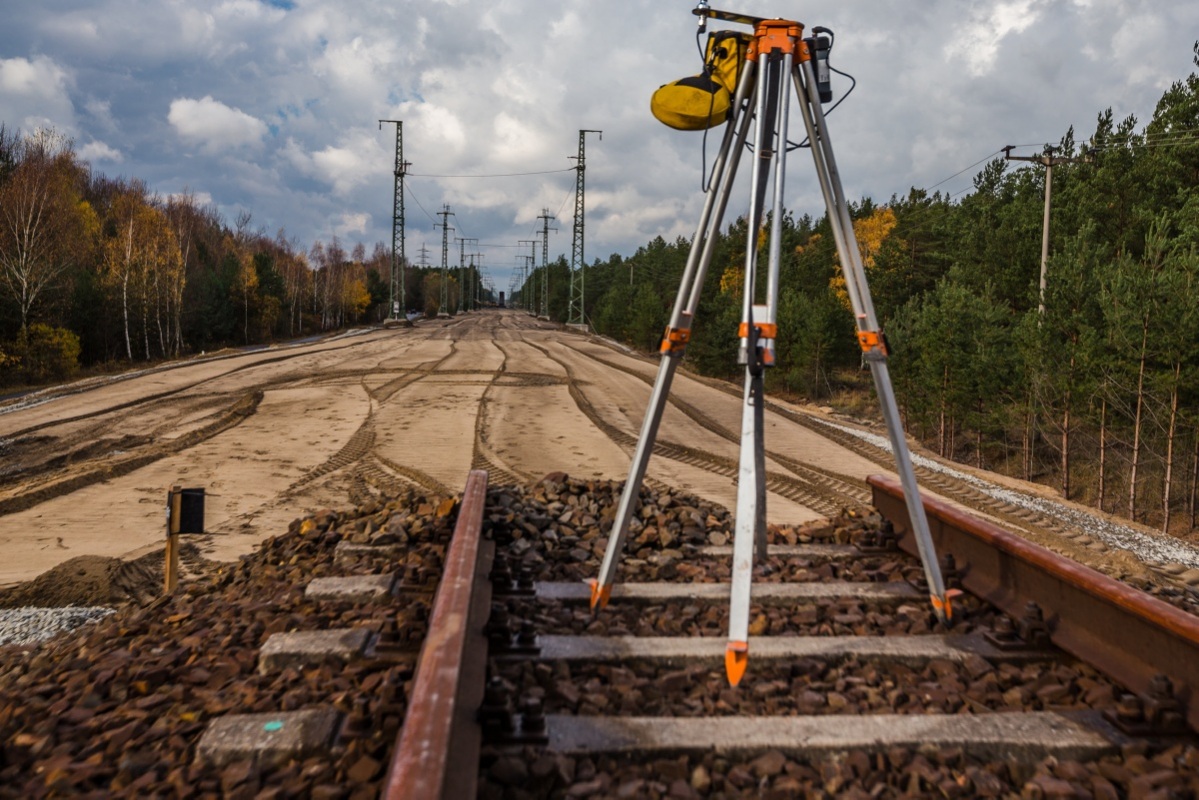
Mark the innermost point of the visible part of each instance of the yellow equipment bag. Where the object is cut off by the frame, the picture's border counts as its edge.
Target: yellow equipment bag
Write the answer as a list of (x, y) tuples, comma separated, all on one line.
[(703, 101)]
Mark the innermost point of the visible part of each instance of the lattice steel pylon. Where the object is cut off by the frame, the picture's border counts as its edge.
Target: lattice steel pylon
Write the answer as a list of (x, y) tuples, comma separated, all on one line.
[(545, 216), (461, 268), (397, 223), (575, 314), (528, 294), (445, 214)]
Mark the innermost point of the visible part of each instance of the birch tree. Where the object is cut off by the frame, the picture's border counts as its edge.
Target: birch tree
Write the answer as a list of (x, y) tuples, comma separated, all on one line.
[(38, 218)]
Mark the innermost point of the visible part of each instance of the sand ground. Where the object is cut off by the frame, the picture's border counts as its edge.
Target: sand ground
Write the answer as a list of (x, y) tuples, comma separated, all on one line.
[(274, 434)]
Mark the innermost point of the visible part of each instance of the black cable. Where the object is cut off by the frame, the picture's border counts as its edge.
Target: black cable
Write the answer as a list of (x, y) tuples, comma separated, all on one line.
[(853, 84), (497, 175), (703, 150)]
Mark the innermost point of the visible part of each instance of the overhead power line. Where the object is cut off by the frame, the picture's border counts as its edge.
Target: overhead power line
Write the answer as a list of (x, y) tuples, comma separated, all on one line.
[(419, 205), (496, 175)]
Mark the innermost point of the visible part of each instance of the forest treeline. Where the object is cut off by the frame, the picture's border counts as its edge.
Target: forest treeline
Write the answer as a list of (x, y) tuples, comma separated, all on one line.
[(95, 269), (1096, 395)]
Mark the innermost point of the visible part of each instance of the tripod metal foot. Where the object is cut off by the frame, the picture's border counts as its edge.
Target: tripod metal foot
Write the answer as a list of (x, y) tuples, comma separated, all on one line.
[(600, 594), (736, 661)]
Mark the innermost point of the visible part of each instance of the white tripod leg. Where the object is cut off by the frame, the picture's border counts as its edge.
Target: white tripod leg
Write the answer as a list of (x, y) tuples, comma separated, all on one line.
[(679, 330), (751, 489), (869, 333)]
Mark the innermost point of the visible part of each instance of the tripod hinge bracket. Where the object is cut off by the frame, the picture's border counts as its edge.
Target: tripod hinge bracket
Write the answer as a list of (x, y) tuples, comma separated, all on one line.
[(775, 36), (766, 330), (675, 340), (872, 342)]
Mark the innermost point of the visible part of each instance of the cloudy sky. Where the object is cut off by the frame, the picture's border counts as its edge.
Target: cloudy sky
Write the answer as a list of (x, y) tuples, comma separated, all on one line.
[(271, 106)]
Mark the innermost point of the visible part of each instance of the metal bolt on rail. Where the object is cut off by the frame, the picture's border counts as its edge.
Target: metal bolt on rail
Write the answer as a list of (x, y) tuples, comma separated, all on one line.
[(359, 723), (499, 629), (525, 584), (501, 575), (1003, 634), (532, 722), (495, 714), (882, 541), (1158, 712), (777, 58), (1033, 628), (390, 636), (526, 640)]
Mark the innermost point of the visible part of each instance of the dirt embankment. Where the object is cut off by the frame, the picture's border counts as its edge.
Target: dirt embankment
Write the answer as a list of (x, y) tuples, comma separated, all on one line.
[(96, 581)]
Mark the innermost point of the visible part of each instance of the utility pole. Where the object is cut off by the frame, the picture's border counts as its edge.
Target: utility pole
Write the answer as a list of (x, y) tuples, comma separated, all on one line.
[(464, 294), (520, 279), (575, 314), (529, 286), (1049, 161), (461, 266), (530, 268), (545, 216), (477, 276), (397, 221), (472, 297), (445, 214), (424, 256)]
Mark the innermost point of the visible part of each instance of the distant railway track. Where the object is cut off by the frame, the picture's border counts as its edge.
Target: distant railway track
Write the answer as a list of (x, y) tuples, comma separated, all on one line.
[(1013, 515), (149, 398), (825, 495), (480, 460), (48, 487)]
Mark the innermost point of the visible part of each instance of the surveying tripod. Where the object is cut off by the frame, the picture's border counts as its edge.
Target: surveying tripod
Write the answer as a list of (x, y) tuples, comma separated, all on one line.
[(776, 53)]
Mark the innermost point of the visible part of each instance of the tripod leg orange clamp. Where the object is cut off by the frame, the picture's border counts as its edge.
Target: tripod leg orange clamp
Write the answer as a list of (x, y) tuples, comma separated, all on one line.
[(675, 340)]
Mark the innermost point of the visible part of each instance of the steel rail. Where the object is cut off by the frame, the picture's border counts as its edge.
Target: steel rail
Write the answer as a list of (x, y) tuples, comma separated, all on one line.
[(437, 750), (1127, 634)]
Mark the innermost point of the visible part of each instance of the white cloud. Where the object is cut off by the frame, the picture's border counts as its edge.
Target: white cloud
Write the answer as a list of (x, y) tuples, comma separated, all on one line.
[(99, 151), (344, 166), (353, 223), (200, 199), (978, 42), (214, 125), (101, 112), (35, 93)]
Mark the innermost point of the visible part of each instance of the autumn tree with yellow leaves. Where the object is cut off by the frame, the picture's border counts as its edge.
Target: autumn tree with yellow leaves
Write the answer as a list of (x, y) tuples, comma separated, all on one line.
[(871, 232)]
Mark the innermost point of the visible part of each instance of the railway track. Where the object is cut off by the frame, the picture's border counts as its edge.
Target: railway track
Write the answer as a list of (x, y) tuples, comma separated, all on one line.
[(855, 689), (469, 665)]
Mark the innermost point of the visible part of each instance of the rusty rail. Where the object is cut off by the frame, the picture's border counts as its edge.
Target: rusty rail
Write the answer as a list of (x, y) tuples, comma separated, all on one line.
[(1127, 634), (437, 751)]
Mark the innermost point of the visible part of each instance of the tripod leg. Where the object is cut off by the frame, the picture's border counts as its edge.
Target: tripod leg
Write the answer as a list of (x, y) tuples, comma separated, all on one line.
[(869, 334), (751, 512), (750, 532), (601, 589), (678, 332)]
